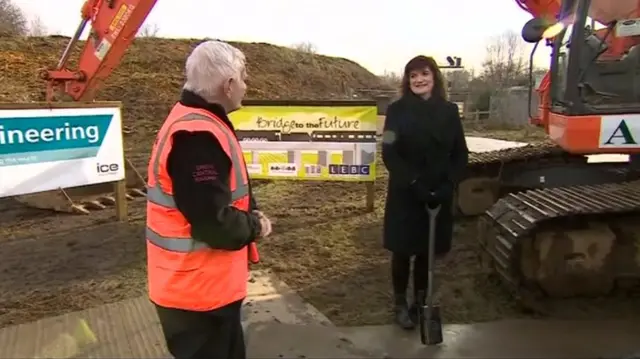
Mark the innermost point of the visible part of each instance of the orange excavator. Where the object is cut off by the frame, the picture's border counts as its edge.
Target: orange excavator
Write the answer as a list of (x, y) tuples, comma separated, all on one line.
[(114, 25), (555, 224)]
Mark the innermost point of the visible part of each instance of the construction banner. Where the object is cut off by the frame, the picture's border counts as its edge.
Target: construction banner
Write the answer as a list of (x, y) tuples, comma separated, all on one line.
[(45, 148), (321, 142)]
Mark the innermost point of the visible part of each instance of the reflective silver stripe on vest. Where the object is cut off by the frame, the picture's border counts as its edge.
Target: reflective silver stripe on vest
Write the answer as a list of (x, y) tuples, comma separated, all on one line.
[(174, 244), (157, 196)]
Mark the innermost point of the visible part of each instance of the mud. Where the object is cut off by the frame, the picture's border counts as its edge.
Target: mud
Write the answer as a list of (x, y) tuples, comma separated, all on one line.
[(325, 246)]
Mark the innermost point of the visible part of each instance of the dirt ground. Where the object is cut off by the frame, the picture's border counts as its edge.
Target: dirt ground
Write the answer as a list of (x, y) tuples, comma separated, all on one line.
[(324, 245)]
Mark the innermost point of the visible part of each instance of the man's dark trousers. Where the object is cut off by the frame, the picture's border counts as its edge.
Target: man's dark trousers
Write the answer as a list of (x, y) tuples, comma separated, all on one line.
[(216, 334)]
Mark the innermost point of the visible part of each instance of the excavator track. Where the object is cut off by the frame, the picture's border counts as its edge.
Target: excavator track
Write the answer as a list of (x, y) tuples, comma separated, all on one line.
[(478, 161), (60, 201), (565, 241), (483, 182)]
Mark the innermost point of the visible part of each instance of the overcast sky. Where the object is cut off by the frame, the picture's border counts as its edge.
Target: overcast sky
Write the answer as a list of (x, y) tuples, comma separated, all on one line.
[(379, 34)]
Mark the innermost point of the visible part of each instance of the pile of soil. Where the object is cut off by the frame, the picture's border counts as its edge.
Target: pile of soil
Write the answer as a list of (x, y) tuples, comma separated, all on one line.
[(153, 68), (151, 74)]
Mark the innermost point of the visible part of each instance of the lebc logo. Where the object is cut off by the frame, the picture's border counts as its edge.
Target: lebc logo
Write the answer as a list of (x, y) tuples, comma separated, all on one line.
[(107, 168), (349, 170)]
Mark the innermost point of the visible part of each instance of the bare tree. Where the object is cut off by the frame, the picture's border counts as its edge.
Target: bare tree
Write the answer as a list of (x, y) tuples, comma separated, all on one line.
[(457, 80), (305, 47), (12, 19), (391, 79), (149, 30), (505, 64), (37, 27)]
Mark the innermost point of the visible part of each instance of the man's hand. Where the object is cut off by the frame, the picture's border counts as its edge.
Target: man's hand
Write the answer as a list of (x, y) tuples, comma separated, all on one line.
[(265, 223)]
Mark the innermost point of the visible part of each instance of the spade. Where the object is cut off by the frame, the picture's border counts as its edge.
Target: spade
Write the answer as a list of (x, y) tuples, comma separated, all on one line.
[(429, 313)]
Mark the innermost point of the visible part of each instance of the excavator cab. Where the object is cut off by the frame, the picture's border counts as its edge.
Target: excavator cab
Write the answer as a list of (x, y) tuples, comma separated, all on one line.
[(593, 71)]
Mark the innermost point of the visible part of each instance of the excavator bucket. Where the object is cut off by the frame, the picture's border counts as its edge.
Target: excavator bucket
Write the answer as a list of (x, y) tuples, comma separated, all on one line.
[(85, 199)]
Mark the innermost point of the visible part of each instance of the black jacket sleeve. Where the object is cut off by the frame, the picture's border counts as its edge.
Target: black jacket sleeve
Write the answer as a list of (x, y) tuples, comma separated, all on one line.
[(396, 165), (460, 153), (200, 171)]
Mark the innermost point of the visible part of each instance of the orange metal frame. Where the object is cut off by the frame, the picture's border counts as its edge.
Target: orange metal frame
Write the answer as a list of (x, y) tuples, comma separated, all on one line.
[(114, 25)]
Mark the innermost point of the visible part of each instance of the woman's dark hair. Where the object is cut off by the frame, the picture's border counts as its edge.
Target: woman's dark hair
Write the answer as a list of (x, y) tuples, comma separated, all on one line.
[(419, 63)]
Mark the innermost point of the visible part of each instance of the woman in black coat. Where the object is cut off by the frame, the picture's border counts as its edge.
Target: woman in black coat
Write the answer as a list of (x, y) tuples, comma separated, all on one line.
[(425, 152)]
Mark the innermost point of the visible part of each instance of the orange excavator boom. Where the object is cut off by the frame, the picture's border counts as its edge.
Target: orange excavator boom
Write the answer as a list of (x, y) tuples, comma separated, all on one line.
[(114, 25)]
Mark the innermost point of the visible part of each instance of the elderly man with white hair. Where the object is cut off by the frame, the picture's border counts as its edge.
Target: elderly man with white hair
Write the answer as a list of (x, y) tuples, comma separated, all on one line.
[(202, 219)]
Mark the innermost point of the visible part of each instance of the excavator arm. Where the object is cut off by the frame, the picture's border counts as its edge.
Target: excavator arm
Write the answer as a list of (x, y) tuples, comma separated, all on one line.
[(114, 24)]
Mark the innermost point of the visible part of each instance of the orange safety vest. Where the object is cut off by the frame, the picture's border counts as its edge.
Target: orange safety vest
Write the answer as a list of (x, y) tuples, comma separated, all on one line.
[(184, 273)]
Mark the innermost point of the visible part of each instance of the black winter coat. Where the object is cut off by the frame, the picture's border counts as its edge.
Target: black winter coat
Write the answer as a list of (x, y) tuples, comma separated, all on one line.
[(424, 150)]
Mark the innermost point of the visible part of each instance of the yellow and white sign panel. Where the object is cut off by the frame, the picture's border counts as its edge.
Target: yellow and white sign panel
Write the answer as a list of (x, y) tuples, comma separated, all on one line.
[(332, 143)]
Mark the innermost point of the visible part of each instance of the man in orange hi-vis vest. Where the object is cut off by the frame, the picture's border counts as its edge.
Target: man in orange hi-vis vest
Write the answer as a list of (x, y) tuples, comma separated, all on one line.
[(202, 220)]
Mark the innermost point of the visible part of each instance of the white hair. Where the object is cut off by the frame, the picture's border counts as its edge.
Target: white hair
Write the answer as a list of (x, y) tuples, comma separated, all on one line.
[(209, 65)]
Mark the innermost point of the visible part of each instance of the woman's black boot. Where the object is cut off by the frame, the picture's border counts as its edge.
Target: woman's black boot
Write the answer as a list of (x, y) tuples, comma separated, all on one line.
[(403, 319)]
